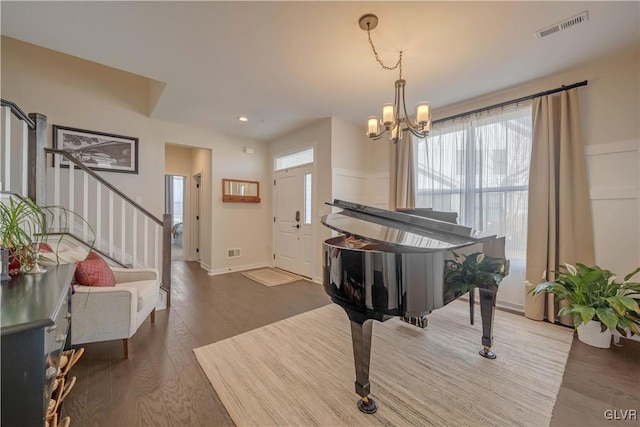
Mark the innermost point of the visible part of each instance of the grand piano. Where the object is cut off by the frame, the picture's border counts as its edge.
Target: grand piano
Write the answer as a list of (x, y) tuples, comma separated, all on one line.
[(386, 264)]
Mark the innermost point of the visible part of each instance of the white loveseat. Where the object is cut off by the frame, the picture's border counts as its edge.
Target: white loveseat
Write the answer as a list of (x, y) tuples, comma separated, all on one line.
[(111, 313)]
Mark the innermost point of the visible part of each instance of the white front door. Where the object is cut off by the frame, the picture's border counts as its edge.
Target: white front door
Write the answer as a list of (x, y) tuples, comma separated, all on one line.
[(293, 243)]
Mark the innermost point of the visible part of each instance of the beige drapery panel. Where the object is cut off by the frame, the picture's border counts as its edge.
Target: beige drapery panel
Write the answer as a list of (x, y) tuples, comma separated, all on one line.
[(402, 192), (559, 220)]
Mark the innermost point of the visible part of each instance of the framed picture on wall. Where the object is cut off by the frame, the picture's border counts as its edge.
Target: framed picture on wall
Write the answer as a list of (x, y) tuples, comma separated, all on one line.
[(97, 150)]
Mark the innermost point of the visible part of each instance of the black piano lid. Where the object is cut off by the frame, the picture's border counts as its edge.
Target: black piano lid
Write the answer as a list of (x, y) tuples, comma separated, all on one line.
[(409, 232)]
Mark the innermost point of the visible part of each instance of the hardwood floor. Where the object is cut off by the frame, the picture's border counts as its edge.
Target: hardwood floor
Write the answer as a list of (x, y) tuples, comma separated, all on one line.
[(161, 384), (597, 382)]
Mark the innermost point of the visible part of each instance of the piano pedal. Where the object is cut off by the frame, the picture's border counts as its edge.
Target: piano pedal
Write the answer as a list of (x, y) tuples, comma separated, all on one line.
[(486, 352), (367, 405), (420, 321)]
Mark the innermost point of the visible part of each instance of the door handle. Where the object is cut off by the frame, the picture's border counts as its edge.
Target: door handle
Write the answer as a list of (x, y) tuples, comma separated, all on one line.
[(296, 226), (298, 216)]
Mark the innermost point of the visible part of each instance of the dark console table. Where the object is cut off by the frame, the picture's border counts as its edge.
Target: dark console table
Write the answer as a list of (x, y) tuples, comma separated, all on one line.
[(35, 312)]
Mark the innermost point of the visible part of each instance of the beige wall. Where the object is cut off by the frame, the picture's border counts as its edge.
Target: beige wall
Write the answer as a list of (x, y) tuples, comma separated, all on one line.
[(78, 93), (350, 147), (350, 160), (177, 160), (609, 104)]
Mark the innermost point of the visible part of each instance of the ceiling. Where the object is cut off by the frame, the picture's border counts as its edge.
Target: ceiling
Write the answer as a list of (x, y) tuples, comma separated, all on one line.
[(286, 64)]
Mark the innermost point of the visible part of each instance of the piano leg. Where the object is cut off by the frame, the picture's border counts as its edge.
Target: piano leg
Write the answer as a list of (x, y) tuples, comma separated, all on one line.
[(487, 310), (361, 338), (472, 302)]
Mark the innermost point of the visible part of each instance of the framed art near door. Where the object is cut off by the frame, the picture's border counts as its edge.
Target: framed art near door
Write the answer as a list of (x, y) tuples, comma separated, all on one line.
[(97, 150)]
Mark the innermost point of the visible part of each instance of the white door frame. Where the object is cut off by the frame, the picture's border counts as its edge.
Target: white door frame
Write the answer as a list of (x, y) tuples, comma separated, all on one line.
[(196, 228), (312, 168)]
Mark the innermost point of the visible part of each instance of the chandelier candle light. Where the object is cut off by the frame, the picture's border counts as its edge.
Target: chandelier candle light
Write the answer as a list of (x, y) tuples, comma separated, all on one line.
[(392, 121)]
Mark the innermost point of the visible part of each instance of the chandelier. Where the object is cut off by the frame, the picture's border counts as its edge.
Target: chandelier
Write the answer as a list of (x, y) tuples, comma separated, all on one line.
[(395, 119)]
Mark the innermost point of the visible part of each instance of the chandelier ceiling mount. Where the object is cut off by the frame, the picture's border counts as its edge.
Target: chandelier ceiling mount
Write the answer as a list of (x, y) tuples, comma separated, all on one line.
[(392, 120), (368, 22)]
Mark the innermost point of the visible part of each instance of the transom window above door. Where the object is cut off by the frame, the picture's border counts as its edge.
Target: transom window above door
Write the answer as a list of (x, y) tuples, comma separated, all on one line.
[(291, 160)]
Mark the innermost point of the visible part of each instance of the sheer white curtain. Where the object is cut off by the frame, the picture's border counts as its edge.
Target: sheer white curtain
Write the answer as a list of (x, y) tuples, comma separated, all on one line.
[(479, 168)]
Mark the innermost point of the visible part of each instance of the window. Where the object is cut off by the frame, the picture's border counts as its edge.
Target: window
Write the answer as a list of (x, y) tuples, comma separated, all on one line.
[(499, 161), (480, 169), (178, 199), (174, 197), (294, 159)]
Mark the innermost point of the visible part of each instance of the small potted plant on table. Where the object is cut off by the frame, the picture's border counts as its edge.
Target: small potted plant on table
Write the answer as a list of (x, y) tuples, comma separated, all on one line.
[(23, 226)]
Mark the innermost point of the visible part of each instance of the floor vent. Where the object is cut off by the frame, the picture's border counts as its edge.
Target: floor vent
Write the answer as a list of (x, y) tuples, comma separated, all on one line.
[(563, 25), (234, 253)]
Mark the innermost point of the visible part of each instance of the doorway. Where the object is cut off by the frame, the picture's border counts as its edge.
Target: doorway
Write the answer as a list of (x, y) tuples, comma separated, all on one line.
[(174, 190), (293, 228)]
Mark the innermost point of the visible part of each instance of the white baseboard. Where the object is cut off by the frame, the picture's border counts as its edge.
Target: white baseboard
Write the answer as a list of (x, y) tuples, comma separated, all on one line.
[(205, 267), (501, 305), (511, 307), (317, 280), (245, 267)]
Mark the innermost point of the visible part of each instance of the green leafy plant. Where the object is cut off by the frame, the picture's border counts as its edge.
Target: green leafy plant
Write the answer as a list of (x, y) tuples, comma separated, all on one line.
[(23, 226), (593, 293), (466, 272)]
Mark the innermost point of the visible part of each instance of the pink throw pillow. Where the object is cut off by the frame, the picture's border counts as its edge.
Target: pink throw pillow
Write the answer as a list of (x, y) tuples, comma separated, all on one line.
[(93, 255), (94, 272), (44, 247)]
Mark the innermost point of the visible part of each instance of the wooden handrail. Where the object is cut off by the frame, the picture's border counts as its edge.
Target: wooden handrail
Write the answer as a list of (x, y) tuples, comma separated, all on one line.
[(18, 112), (102, 181), (11, 193), (91, 247)]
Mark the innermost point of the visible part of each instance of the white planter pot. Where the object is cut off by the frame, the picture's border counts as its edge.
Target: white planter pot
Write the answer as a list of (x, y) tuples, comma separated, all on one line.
[(590, 334)]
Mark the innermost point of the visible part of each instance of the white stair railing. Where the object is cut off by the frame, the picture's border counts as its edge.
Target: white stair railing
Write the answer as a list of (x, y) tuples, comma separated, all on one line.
[(122, 229), (14, 149), (132, 235)]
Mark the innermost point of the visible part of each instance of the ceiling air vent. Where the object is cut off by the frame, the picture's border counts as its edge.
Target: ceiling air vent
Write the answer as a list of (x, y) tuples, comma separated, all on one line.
[(563, 25)]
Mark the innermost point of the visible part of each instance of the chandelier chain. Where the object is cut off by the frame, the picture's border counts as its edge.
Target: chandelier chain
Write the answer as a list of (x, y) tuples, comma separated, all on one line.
[(375, 53)]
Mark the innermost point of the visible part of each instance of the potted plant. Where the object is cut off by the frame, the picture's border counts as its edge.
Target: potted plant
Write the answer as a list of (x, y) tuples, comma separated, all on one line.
[(465, 272), (598, 302), (477, 270), (22, 228)]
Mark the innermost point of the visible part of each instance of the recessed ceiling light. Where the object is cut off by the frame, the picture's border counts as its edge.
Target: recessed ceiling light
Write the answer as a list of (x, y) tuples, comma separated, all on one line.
[(243, 119)]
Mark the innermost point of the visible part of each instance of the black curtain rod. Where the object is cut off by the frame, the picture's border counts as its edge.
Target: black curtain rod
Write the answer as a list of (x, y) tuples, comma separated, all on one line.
[(513, 101)]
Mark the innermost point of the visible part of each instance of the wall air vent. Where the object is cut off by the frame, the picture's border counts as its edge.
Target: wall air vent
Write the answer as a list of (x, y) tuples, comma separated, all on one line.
[(234, 253), (563, 25)]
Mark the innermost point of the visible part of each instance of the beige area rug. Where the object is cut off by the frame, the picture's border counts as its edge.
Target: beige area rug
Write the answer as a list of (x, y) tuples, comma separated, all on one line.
[(271, 276), (300, 371)]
